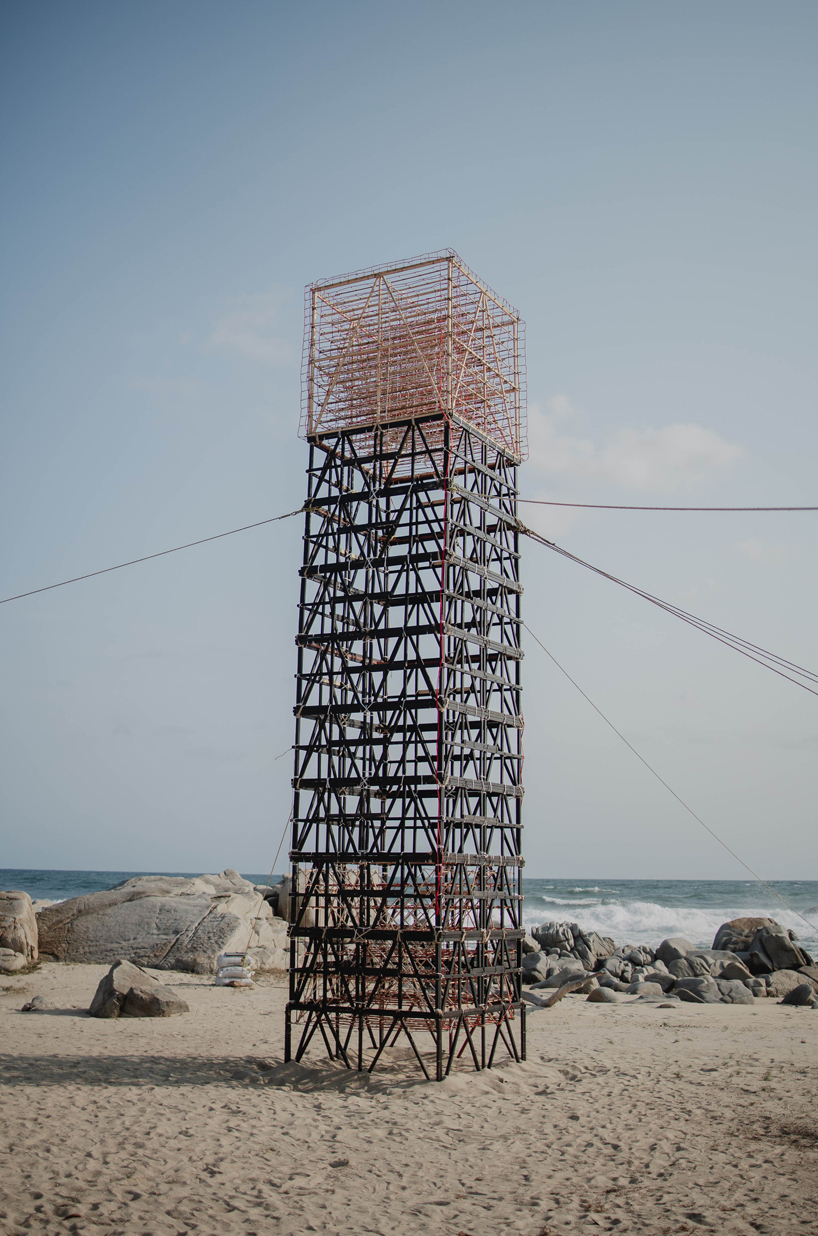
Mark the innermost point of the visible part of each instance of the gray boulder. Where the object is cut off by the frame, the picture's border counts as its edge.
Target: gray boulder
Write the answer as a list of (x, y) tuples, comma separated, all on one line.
[(285, 904), (693, 997), (703, 988), (613, 984), (757, 986), (18, 925), (38, 1005), (530, 945), (129, 991), (802, 995), (780, 947), (666, 981), (167, 923), (758, 959), (593, 948), (566, 973), (810, 974), (656, 972), (272, 895), (569, 964), (714, 959), (114, 987), (604, 995), (555, 935), (737, 935), (735, 970), (733, 991), (645, 989), (532, 960), (783, 981), (674, 949), (534, 977), (153, 1002), (535, 967), (690, 966)]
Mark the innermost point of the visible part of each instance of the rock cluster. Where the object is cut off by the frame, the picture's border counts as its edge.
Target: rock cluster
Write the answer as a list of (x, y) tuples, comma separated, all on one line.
[(750, 958), (167, 923)]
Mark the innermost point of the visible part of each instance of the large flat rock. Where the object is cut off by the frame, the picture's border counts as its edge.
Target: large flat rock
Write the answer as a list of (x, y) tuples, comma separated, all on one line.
[(166, 923)]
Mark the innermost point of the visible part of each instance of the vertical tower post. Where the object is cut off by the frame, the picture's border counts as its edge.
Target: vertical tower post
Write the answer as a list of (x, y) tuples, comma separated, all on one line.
[(406, 838)]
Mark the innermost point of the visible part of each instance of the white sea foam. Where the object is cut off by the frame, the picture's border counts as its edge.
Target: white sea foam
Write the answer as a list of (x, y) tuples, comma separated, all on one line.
[(573, 901), (646, 922)]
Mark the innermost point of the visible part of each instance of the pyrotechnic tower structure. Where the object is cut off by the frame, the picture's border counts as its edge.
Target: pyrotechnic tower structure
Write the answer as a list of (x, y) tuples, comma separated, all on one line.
[(406, 835)]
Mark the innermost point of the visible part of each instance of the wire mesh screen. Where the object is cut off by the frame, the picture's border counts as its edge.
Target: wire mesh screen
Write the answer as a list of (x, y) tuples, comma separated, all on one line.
[(414, 338)]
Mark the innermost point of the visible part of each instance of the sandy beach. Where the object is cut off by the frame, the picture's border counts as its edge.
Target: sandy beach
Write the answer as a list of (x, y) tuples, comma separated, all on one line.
[(627, 1118)]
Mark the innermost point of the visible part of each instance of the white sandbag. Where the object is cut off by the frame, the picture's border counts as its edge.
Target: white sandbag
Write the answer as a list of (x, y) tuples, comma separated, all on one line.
[(235, 959), (235, 972), (221, 981)]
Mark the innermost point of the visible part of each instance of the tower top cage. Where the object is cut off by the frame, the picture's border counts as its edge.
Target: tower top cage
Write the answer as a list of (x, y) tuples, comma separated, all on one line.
[(414, 338)]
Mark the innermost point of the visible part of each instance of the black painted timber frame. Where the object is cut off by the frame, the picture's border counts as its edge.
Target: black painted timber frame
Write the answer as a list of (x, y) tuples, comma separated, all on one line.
[(406, 835)]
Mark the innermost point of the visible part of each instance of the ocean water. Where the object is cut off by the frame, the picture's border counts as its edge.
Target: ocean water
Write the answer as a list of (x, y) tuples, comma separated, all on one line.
[(631, 911), (647, 911)]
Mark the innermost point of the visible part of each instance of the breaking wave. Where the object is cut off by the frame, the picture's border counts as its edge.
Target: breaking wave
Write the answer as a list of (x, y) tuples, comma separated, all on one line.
[(694, 911)]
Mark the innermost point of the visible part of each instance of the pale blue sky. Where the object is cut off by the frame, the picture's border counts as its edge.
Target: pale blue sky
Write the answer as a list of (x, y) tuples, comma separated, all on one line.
[(639, 179)]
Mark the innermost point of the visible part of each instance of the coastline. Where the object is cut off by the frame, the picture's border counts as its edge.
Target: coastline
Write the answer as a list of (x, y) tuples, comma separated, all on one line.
[(629, 911)]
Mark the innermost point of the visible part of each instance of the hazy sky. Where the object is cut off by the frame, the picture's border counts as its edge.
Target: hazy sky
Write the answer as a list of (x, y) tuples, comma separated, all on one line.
[(639, 179)]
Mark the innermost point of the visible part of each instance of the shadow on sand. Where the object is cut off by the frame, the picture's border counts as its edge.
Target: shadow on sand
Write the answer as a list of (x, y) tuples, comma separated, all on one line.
[(398, 1072), (146, 1071)]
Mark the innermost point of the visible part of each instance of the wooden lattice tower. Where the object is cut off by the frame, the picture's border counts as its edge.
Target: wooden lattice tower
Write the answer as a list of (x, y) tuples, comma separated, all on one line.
[(406, 837)]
